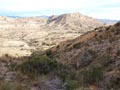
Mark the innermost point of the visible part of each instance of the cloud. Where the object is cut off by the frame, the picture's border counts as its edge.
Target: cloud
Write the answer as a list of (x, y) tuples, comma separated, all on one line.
[(34, 5), (96, 8), (29, 5), (108, 13)]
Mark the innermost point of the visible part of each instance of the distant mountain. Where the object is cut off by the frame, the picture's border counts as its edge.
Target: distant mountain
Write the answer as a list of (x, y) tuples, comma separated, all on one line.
[(44, 16), (108, 21), (15, 16), (74, 20)]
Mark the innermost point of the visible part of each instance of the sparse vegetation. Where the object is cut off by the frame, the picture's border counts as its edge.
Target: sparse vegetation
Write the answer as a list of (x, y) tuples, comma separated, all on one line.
[(90, 76), (70, 84), (38, 65), (11, 86), (118, 53), (82, 63), (79, 45), (45, 65)]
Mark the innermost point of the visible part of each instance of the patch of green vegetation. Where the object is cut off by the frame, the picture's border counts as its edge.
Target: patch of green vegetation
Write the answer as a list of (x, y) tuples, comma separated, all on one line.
[(11, 86), (90, 76), (70, 84), (13, 66), (42, 65), (38, 65), (72, 79)]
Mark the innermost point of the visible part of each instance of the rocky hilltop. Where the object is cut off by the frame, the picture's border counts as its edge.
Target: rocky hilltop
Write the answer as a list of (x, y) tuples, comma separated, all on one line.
[(74, 21), (22, 36)]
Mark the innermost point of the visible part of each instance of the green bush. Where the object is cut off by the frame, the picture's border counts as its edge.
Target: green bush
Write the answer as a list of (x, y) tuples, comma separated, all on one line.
[(44, 65), (38, 65), (70, 84)]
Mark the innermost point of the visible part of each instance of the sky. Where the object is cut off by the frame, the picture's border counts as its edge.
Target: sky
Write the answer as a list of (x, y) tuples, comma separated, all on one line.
[(102, 9)]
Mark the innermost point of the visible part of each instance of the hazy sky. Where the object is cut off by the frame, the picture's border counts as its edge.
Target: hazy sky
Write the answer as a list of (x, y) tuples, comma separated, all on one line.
[(109, 9)]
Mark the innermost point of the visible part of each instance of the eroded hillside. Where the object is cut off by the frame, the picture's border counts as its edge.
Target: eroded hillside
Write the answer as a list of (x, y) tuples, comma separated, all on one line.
[(22, 36), (98, 49), (88, 62)]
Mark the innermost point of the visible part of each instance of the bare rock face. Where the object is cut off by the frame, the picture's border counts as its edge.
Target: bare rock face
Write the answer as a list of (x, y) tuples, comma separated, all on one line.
[(22, 36)]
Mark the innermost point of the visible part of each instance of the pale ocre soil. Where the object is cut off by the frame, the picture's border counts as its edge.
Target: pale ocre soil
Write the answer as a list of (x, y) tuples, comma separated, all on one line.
[(22, 36)]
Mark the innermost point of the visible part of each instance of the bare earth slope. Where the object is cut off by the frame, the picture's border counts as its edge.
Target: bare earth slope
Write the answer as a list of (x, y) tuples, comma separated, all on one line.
[(22, 36)]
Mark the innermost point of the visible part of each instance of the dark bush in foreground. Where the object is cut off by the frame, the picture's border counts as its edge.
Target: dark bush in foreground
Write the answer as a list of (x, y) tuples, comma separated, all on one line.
[(38, 65), (44, 65)]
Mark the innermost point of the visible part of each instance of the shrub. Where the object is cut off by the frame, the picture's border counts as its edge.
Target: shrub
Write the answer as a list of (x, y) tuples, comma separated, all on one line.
[(11, 86), (5, 86), (44, 65), (118, 53), (92, 52), (49, 53), (80, 44), (87, 77), (77, 45), (38, 65), (70, 84)]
